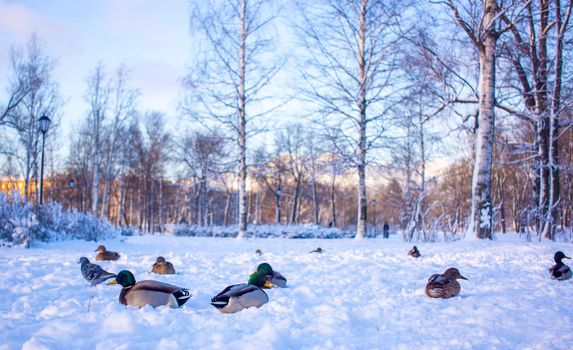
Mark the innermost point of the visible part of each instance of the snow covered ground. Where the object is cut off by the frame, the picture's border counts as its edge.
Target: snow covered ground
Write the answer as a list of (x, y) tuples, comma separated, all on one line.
[(356, 295)]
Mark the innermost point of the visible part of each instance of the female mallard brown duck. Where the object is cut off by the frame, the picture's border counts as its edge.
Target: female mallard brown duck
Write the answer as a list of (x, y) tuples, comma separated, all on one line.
[(560, 271), (163, 267), (274, 277), (149, 292), (242, 296), (93, 273), (445, 285), (104, 254), (414, 252)]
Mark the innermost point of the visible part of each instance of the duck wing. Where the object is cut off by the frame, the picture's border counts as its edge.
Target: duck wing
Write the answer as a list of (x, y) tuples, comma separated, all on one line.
[(560, 272), (438, 279), (232, 291)]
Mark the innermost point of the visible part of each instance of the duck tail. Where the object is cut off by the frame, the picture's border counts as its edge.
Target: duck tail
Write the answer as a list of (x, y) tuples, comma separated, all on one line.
[(219, 302), (182, 295)]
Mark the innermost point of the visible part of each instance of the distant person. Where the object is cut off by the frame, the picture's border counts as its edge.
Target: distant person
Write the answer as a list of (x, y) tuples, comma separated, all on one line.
[(386, 230)]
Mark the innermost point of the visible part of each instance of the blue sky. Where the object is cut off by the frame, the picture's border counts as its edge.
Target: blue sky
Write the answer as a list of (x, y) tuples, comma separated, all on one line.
[(150, 37)]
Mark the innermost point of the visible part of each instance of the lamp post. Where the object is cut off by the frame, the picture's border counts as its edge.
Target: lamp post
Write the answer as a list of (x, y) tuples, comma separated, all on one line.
[(44, 123)]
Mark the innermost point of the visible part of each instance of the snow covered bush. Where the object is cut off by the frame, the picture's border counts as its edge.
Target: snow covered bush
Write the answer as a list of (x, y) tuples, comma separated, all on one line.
[(264, 231), (21, 223)]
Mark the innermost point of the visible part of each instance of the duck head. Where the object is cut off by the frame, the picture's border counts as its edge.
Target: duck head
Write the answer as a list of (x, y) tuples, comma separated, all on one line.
[(415, 249), (83, 260), (100, 249), (160, 260), (454, 274), (559, 255), (265, 269), (125, 278), (260, 280)]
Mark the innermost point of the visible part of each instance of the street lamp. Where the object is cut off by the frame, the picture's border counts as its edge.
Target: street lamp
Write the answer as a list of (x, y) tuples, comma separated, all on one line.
[(44, 123)]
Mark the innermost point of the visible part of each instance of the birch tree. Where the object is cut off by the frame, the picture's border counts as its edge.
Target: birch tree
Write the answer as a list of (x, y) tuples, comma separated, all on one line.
[(227, 84), (479, 21), (111, 101), (350, 76)]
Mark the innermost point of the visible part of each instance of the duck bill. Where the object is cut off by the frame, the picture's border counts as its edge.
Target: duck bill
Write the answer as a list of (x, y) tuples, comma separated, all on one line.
[(462, 277), (111, 283), (566, 257), (269, 285)]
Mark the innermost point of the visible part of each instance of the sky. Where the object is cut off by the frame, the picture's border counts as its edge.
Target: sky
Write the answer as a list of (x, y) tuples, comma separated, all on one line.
[(150, 37)]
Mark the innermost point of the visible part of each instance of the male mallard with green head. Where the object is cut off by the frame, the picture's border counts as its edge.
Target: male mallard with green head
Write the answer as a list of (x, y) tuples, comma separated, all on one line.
[(104, 254), (414, 252), (445, 285), (560, 271), (242, 296), (93, 273), (149, 292), (163, 267), (274, 277)]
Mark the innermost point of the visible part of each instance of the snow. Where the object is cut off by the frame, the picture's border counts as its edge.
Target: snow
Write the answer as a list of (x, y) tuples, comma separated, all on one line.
[(356, 295)]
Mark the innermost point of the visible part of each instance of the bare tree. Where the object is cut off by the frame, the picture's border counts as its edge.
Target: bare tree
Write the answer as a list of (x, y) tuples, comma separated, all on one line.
[(122, 105), (292, 141), (203, 155), (351, 77), (98, 97), (480, 22), (111, 101), (35, 94), (228, 83), (534, 48)]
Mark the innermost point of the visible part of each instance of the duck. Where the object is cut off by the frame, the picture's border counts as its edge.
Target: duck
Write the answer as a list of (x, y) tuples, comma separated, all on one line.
[(237, 297), (149, 292), (445, 285), (317, 250), (163, 267), (274, 277), (259, 252), (560, 271), (414, 252), (93, 273), (104, 254)]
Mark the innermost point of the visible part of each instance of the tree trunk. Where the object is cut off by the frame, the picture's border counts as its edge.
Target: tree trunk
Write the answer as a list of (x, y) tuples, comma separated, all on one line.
[(104, 197), (295, 201), (333, 199), (277, 207), (361, 166), (227, 208), (481, 210), (242, 130)]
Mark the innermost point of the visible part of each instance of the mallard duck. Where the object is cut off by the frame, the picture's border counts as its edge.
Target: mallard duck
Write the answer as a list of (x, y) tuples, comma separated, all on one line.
[(274, 277), (105, 255), (149, 292), (163, 267), (93, 273), (317, 250), (445, 285), (560, 271), (241, 296), (414, 252)]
